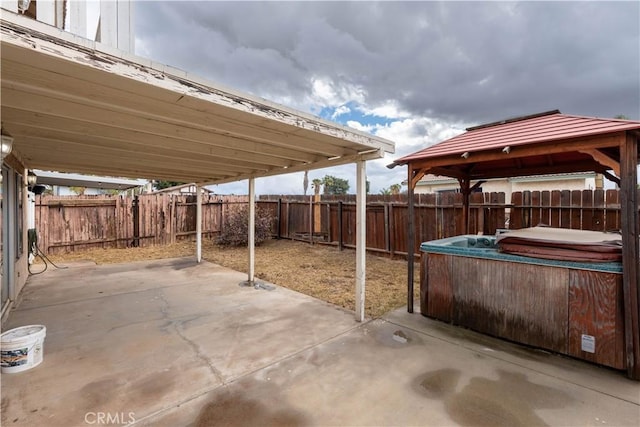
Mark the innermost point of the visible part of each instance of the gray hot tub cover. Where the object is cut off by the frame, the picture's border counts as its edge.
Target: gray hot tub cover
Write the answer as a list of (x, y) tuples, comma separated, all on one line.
[(562, 244)]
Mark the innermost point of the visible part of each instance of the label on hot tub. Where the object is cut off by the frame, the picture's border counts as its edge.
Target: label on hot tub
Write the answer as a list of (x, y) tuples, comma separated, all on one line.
[(588, 343)]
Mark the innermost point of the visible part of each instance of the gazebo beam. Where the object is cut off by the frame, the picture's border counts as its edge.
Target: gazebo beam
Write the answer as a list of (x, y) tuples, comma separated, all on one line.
[(540, 149), (604, 159)]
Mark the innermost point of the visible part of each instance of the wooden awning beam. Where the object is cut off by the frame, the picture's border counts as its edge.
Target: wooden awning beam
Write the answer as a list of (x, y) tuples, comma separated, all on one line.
[(584, 166), (416, 176), (555, 147), (611, 177), (452, 173), (475, 186), (603, 159)]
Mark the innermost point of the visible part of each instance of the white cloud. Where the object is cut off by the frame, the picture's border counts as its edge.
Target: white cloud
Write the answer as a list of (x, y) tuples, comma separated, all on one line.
[(343, 109), (390, 109), (329, 93), (362, 128)]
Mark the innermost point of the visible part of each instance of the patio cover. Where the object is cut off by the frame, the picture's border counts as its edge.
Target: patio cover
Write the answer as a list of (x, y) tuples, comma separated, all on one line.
[(74, 105), (540, 144)]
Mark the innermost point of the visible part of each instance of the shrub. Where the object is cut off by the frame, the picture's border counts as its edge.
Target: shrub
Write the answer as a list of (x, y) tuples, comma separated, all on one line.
[(235, 230)]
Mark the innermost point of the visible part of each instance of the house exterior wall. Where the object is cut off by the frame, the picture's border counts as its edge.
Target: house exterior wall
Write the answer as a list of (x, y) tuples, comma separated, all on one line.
[(11, 200), (109, 22), (564, 184), (510, 185)]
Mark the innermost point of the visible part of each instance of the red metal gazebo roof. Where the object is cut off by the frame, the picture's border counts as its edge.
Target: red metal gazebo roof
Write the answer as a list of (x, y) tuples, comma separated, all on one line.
[(545, 127)]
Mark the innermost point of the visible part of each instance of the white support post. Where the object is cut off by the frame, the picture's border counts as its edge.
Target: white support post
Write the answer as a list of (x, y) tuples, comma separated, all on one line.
[(361, 234), (198, 223), (78, 17), (252, 229)]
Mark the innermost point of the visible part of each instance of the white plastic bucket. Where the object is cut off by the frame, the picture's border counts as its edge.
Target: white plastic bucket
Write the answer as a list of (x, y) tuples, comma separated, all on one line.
[(22, 348)]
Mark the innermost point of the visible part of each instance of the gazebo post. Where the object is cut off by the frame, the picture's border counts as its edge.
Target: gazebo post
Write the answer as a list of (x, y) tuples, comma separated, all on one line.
[(630, 251), (465, 189), (410, 240)]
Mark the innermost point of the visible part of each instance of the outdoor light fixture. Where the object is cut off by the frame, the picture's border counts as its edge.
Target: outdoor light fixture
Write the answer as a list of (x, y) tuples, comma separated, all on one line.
[(465, 155), (32, 178), (23, 5), (506, 150), (7, 145)]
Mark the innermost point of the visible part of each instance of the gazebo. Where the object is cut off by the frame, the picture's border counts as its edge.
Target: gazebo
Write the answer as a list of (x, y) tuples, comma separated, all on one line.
[(546, 143)]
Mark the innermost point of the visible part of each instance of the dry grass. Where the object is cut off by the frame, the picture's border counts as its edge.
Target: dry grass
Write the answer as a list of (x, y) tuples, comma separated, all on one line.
[(321, 271)]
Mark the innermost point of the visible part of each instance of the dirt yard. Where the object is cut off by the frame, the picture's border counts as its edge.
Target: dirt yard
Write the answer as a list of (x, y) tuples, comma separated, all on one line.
[(321, 271)]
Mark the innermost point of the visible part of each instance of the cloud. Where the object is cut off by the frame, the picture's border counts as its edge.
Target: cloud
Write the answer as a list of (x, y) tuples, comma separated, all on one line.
[(478, 61), (414, 72), (343, 109)]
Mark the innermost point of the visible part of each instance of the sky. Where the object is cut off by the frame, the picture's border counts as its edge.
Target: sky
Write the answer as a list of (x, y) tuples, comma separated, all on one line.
[(416, 73)]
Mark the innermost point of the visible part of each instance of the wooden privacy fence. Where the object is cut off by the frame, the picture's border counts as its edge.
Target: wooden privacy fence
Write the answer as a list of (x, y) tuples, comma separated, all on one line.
[(597, 210), (79, 222), (334, 221), (69, 223)]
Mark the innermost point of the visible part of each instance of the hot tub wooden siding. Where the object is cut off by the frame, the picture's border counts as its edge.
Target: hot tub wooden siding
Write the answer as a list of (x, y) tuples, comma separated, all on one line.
[(543, 306)]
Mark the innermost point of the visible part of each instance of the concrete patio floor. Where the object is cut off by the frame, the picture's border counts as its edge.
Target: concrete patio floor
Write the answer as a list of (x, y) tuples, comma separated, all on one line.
[(175, 343)]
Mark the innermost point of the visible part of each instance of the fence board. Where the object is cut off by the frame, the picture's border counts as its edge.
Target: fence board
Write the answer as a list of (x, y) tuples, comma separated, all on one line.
[(612, 213), (516, 215), (576, 210), (555, 210), (598, 220), (535, 207), (587, 210), (545, 202)]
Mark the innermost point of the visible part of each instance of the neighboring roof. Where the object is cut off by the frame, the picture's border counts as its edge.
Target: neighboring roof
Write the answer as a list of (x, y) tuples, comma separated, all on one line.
[(544, 127), (88, 181), (178, 188), (74, 105), (540, 144)]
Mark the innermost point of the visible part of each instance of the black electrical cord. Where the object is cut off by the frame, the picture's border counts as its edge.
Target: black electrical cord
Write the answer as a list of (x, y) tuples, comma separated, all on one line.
[(35, 250), (44, 258)]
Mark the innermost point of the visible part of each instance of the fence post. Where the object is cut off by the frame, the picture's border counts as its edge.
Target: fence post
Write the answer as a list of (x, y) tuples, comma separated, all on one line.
[(289, 219), (279, 232), (392, 246), (136, 222), (340, 242), (311, 219), (387, 240)]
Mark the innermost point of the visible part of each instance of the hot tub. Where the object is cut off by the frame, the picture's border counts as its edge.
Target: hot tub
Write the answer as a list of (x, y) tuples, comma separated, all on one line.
[(573, 308), (486, 247)]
